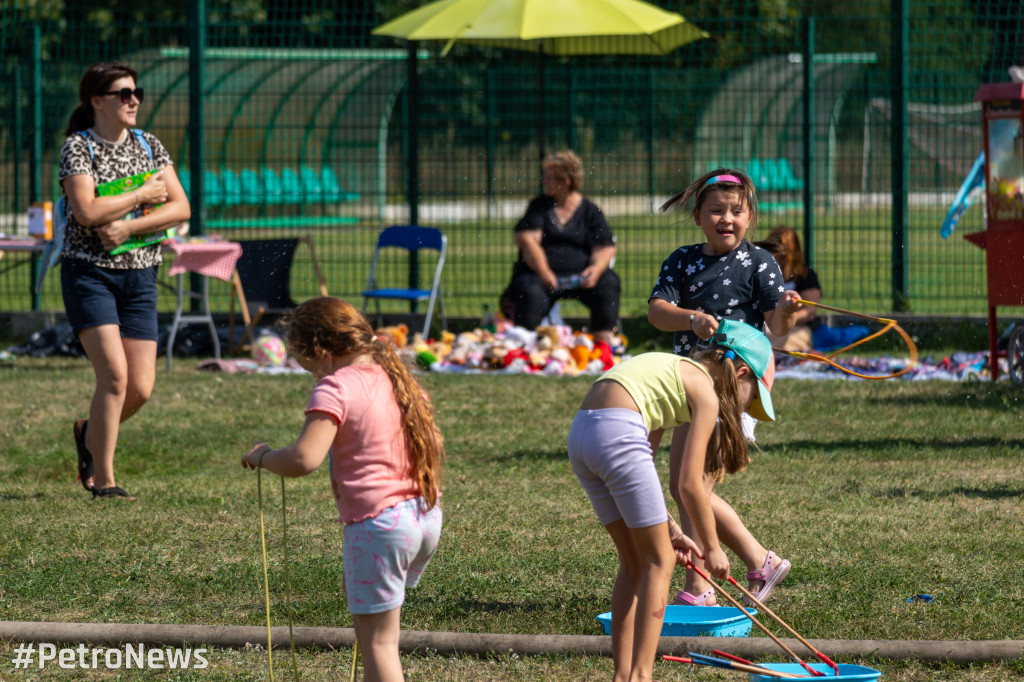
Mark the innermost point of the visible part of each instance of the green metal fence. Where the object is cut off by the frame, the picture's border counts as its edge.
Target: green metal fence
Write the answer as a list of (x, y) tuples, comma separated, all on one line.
[(309, 126)]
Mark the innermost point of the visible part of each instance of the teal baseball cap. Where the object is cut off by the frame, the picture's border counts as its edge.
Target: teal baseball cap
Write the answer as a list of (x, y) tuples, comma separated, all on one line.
[(753, 347)]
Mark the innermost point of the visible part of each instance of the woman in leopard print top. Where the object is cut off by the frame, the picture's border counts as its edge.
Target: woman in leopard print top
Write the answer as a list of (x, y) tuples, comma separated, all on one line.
[(111, 299)]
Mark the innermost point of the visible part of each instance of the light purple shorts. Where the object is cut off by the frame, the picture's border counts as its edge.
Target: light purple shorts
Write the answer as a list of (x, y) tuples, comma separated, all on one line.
[(387, 553), (610, 453)]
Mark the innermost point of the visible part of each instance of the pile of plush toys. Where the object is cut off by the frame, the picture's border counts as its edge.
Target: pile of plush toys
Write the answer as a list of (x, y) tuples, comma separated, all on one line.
[(550, 350)]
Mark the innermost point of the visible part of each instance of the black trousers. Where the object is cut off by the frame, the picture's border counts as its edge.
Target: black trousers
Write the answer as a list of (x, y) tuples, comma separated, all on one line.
[(530, 300)]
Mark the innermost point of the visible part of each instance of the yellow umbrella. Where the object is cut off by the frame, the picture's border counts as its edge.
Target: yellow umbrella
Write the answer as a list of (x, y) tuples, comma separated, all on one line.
[(554, 27), (550, 27)]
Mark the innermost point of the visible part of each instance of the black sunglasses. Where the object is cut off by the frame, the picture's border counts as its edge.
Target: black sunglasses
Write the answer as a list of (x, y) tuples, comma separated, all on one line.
[(126, 94)]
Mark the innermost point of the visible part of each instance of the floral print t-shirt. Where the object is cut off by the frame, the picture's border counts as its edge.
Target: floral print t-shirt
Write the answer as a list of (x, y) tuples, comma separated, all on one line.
[(739, 285)]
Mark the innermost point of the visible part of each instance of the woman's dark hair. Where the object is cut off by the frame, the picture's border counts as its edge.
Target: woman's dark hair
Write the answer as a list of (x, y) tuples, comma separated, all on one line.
[(97, 79)]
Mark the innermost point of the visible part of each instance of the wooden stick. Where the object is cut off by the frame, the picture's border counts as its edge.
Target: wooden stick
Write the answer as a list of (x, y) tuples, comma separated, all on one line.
[(759, 670), (751, 668), (760, 605), (718, 588)]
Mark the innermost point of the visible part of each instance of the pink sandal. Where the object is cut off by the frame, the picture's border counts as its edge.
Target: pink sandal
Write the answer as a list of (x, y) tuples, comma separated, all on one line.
[(770, 574), (684, 598)]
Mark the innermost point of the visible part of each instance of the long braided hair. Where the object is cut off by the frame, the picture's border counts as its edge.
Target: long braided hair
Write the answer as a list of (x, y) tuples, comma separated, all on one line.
[(727, 451), (327, 326)]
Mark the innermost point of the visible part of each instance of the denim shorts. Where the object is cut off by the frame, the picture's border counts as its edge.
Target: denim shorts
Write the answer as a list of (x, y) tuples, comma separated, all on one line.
[(611, 456), (95, 296), (387, 553)]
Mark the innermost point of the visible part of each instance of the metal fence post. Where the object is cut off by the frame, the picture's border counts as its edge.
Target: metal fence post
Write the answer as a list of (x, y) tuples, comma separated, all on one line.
[(413, 161), (808, 140), (412, 105), (899, 158), (650, 136), (489, 133), (35, 192), (197, 129), (196, 120)]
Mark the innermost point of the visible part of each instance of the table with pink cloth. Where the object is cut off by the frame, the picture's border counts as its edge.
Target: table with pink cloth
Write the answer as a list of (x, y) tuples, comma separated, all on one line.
[(212, 258)]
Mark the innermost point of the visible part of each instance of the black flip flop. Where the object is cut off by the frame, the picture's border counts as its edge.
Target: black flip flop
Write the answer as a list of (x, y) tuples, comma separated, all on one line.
[(113, 491), (85, 468)]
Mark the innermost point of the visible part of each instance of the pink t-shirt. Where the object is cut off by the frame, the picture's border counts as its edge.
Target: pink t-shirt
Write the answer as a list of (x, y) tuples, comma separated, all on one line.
[(369, 456)]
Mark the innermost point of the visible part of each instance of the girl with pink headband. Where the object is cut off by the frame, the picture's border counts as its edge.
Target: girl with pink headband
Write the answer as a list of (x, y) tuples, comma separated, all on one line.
[(723, 278)]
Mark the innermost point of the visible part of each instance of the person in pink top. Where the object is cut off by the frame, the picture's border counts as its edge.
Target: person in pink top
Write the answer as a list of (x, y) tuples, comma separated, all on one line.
[(371, 414)]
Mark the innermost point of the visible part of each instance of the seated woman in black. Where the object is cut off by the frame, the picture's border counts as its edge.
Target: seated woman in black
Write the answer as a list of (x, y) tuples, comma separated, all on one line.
[(565, 251)]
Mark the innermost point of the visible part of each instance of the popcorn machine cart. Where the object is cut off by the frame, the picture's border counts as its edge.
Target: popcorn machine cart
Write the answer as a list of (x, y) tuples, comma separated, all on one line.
[(1002, 114)]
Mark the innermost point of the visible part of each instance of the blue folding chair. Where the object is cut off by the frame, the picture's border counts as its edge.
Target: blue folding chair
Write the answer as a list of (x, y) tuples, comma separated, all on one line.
[(412, 239)]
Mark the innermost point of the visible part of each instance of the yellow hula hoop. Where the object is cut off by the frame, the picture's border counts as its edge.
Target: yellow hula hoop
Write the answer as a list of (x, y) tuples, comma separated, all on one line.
[(889, 325)]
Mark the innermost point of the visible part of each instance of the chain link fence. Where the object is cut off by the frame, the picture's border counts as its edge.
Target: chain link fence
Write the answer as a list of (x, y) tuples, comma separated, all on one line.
[(311, 128)]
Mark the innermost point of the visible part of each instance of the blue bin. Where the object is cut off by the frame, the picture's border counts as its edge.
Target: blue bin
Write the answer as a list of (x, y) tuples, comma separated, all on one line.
[(847, 672), (697, 621)]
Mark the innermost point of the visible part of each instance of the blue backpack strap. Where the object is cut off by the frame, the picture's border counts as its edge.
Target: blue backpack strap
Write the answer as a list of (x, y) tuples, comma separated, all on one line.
[(143, 141), (51, 252), (92, 154), (54, 247)]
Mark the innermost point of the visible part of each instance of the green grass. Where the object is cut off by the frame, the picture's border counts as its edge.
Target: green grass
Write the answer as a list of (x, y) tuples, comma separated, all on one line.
[(876, 491)]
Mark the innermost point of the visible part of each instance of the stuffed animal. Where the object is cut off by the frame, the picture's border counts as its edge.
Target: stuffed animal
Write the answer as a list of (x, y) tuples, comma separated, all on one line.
[(580, 350), (548, 338), (443, 347), (520, 337), (398, 334), (464, 344), (561, 362), (602, 352)]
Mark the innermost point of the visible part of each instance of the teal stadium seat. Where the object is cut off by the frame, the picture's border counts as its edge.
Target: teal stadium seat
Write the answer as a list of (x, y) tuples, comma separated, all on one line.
[(773, 180), (273, 192), (231, 187), (214, 195), (332, 189), (311, 187), (184, 178), (252, 188), (291, 187), (330, 185), (788, 176), (758, 174), (214, 192)]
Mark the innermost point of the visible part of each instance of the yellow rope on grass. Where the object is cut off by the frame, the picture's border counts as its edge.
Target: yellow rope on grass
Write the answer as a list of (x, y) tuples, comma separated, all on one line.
[(355, 660), (889, 325), (266, 579)]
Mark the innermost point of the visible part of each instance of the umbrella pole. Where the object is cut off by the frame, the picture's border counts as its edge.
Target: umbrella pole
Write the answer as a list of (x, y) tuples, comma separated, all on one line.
[(540, 82)]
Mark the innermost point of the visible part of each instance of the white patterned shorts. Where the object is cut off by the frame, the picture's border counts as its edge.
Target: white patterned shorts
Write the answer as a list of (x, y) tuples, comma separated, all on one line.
[(387, 553)]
